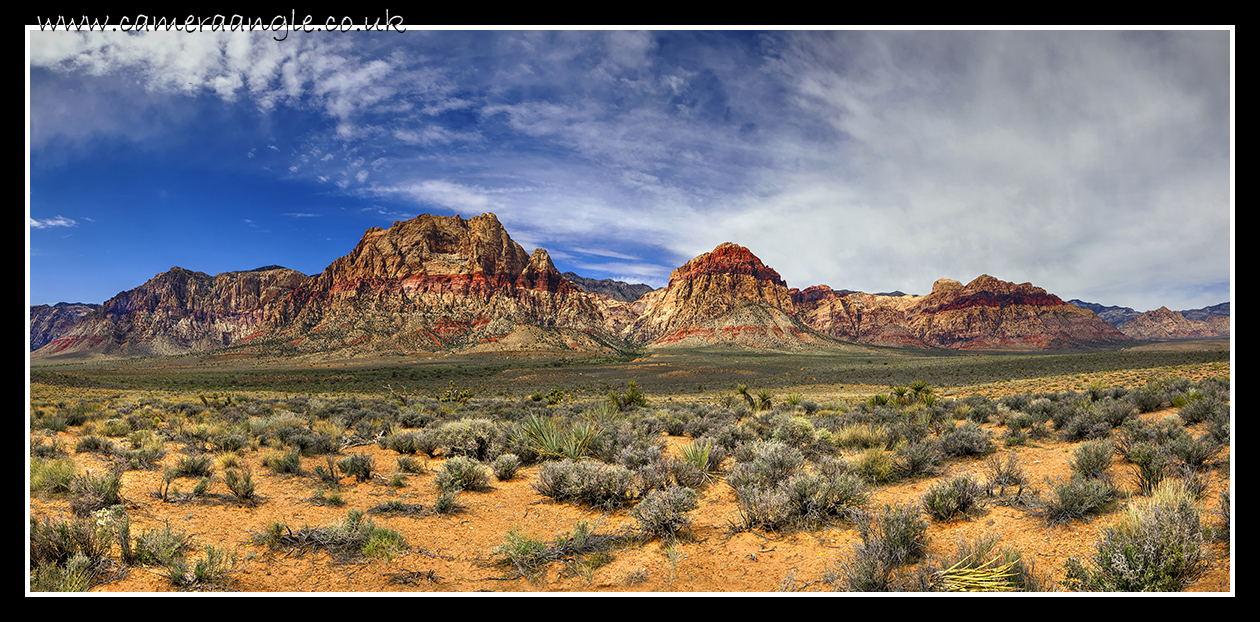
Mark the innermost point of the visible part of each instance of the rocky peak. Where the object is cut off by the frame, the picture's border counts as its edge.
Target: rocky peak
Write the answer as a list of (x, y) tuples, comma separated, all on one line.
[(727, 259)]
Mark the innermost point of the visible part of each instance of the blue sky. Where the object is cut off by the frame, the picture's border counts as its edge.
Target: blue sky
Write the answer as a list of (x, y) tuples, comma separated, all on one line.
[(1095, 164)]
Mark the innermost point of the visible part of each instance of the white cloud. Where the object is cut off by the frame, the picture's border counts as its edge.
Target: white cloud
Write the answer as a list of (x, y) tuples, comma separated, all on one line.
[(59, 221)]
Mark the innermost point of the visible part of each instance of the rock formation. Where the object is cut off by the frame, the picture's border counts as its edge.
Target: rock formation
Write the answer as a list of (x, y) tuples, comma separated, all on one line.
[(617, 290), (435, 283), (443, 283), (1163, 323), (50, 322), (724, 296), (179, 311)]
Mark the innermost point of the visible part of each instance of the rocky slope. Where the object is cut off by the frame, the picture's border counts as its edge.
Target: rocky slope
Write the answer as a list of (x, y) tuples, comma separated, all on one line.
[(444, 283), (989, 314), (724, 296), (436, 283), (50, 322), (986, 314), (1163, 323), (617, 290), (179, 311)]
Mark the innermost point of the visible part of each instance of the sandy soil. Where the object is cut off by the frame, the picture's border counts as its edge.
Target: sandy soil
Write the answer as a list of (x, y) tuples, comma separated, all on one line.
[(454, 553)]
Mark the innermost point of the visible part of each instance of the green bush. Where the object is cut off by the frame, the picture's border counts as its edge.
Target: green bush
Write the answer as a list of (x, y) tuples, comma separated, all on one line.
[(505, 466), (967, 439), (91, 492), (948, 499), (663, 513), (587, 481), (1092, 459), (1076, 499), (462, 473), (358, 466), (1157, 547)]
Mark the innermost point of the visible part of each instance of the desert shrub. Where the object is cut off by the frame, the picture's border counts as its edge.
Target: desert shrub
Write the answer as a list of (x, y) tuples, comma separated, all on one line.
[(948, 499), (479, 439), (54, 542), (818, 498), (447, 503), (200, 465), (797, 431), (875, 466), (1147, 399), (663, 513), (686, 473), (657, 475), (284, 462), (505, 466), (1085, 424), (51, 476), (635, 457), (860, 436), (358, 466), (587, 481), (91, 491), (774, 462), (1218, 427), (94, 443), (411, 442), (1003, 475), (351, 539), (66, 555), (765, 508), (1157, 547), (241, 483), (1152, 462), (1197, 453), (1200, 410), (411, 464), (890, 540), (1077, 498), (462, 473), (967, 439), (1221, 531), (1092, 459), (917, 459)]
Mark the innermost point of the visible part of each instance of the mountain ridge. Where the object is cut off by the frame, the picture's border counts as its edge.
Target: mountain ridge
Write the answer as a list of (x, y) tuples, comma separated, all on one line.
[(445, 283)]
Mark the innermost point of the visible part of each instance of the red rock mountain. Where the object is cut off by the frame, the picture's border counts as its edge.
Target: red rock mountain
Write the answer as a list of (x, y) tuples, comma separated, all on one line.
[(724, 296), (436, 283), (50, 322), (444, 283), (179, 311), (1165, 324)]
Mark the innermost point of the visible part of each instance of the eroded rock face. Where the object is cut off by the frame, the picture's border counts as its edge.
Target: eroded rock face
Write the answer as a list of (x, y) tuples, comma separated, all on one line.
[(617, 290), (724, 296), (179, 311), (432, 283), (988, 313), (1163, 323), (443, 283), (50, 322), (985, 314)]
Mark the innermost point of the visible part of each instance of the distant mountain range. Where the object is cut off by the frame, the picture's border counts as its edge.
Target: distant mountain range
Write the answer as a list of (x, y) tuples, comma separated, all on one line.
[(1163, 323), (444, 283)]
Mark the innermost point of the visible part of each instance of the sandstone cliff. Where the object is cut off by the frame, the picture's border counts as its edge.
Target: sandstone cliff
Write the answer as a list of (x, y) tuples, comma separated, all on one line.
[(724, 296), (1163, 323), (50, 322), (436, 283), (179, 311)]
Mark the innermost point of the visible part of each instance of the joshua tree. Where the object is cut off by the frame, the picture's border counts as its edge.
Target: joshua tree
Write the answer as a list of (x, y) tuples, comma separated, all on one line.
[(742, 390)]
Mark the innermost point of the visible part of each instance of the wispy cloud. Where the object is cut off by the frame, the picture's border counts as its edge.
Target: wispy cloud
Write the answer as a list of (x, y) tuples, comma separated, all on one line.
[(59, 221)]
